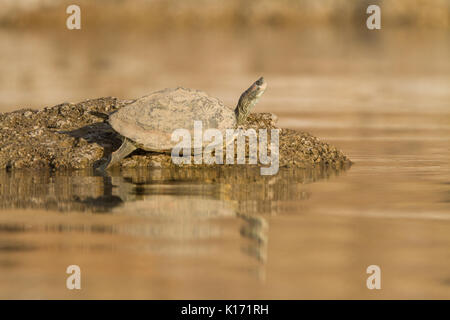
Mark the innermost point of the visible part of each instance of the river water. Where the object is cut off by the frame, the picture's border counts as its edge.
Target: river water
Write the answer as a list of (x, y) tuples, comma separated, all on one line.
[(383, 99)]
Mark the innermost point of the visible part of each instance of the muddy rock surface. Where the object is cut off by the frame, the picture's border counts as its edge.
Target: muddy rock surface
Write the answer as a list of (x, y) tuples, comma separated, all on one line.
[(78, 136)]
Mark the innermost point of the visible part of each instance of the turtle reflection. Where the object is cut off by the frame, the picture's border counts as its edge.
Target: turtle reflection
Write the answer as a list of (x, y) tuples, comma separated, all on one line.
[(181, 204)]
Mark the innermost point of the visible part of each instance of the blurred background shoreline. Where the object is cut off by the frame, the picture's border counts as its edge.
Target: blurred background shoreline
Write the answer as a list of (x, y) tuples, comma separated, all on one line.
[(208, 14)]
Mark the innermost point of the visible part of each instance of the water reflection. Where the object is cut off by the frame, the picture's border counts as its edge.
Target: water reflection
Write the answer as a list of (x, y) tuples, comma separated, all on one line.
[(165, 192), (167, 205)]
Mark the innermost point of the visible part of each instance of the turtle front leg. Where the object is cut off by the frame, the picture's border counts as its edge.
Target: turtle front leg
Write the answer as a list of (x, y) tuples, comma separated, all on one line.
[(125, 149)]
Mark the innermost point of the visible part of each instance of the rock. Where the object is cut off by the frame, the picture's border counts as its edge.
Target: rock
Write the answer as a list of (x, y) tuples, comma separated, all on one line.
[(77, 136)]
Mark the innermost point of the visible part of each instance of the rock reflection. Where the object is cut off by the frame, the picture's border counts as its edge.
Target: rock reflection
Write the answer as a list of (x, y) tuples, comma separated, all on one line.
[(181, 204), (250, 192)]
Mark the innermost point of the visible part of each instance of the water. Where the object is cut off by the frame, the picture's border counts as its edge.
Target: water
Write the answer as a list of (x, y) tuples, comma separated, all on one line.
[(231, 233)]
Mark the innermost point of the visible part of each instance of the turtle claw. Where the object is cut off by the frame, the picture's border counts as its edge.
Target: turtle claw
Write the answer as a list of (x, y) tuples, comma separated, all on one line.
[(104, 165)]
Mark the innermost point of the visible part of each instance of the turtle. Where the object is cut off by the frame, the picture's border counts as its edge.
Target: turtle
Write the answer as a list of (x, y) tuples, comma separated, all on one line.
[(148, 122)]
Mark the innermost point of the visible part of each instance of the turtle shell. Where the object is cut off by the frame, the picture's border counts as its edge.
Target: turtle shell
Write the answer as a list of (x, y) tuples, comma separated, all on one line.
[(149, 121)]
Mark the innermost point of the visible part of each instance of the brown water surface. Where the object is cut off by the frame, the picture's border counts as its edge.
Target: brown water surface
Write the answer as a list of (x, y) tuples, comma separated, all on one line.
[(383, 99)]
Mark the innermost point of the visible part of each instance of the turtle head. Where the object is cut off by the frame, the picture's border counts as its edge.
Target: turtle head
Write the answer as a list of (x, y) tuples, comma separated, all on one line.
[(249, 99)]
